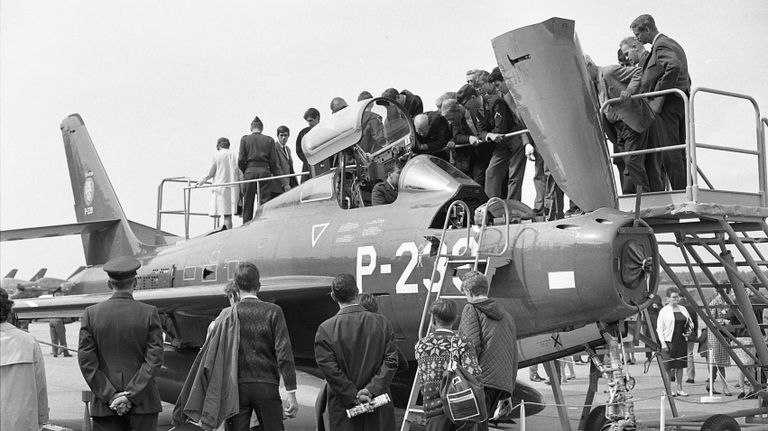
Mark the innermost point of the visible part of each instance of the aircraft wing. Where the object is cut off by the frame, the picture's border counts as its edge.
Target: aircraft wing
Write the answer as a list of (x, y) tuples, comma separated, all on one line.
[(206, 299), (55, 230)]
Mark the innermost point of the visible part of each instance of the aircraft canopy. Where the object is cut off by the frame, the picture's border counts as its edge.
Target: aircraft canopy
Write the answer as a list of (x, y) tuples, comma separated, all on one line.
[(374, 126)]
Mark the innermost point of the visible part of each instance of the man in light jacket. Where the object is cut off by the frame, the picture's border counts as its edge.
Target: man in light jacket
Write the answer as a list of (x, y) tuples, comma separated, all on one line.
[(23, 389)]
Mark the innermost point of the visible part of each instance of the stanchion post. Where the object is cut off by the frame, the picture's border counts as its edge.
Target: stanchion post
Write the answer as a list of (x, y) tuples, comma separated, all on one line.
[(87, 399), (522, 415), (662, 411), (711, 398)]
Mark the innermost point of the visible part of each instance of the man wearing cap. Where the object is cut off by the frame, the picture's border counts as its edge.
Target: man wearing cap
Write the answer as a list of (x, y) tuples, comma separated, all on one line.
[(23, 388), (355, 350), (120, 351), (257, 158)]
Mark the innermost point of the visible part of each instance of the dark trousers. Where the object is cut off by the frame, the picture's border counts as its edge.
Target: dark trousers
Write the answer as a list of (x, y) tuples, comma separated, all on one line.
[(670, 130), (127, 422), (507, 165), (641, 169), (250, 191), (539, 182), (58, 336), (264, 399)]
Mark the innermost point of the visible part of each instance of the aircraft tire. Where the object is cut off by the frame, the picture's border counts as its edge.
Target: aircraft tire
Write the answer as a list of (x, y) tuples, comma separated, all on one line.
[(596, 420), (721, 423)]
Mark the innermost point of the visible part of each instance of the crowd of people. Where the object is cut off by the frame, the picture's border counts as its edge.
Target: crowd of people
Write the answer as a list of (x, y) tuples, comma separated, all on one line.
[(248, 350), (478, 129)]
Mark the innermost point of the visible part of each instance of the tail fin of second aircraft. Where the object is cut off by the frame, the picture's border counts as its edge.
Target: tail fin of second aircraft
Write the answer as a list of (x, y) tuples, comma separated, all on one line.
[(11, 273), (95, 198), (40, 274)]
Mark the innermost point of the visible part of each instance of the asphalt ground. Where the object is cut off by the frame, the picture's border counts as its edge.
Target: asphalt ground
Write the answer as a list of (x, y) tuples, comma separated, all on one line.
[(65, 384)]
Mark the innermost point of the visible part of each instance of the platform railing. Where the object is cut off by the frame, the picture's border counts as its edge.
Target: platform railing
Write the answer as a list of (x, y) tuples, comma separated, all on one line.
[(194, 185), (690, 145), (759, 135)]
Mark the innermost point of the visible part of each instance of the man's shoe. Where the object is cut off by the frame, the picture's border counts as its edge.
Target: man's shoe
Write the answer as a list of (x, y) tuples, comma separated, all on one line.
[(67, 355), (741, 395), (537, 378), (689, 381)]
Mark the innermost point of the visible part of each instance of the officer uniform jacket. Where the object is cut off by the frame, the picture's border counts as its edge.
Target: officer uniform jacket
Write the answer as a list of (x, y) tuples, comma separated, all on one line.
[(121, 349)]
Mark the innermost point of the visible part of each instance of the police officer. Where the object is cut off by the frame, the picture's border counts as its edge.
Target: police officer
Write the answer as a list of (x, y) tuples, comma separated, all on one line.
[(120, 351)]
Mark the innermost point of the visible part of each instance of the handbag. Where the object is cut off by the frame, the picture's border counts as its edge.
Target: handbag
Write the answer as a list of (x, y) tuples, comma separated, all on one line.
[(462, 393)]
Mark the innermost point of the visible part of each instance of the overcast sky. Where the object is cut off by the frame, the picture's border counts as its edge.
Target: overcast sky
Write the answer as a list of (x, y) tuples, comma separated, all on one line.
[(157, 82)]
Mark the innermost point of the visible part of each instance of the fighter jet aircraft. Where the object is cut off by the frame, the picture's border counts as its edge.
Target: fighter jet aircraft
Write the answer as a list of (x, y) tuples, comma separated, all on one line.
[(42, 286), (11, 284), (556, 278)]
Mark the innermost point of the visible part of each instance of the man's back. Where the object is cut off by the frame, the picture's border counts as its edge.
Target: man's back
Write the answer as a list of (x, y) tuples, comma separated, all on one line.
[(258, 151), (265, 346), (23, 389), (117, 338), (355, 350)]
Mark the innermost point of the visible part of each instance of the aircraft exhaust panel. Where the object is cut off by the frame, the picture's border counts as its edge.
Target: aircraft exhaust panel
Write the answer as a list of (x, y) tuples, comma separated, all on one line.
[(568, 273), (543, 66)]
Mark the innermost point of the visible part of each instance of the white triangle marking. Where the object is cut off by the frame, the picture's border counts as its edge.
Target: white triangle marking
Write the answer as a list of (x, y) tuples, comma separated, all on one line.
[(317, 231)]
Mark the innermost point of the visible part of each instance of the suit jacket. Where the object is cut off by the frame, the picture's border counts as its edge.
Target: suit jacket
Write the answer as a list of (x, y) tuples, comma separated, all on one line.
[(614, 79), (355, 349), (285, 161), (383, 193), (437, 137), (665, 67), (121, 349)]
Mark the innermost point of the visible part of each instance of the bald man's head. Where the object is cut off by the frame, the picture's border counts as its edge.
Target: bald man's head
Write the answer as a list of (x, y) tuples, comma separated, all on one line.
[(337, 104), (421, 123)]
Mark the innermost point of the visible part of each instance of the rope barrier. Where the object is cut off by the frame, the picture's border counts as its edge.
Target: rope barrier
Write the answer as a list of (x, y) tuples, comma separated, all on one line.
[(56, 345)]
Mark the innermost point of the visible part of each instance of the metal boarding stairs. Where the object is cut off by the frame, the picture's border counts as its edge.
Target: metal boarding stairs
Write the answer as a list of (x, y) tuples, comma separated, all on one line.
[(705, 231), (414, 413)]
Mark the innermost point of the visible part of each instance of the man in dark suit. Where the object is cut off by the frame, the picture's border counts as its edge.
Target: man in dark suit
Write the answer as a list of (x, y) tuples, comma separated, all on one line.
[(312, 117), (258, 158), (385, 192), (627, 125), (507, 165), (432, 134), (284, 159), (355, 350), (120, 351), (665, 67)]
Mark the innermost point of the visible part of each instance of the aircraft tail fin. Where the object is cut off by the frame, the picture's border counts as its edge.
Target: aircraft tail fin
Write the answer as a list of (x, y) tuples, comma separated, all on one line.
[(40, 274), (11, 273), (95, 198)]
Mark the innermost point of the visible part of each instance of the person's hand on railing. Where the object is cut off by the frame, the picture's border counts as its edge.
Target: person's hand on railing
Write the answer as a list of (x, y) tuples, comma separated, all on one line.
[(201, 182), (474, 140), (625, 95), (656, 103)]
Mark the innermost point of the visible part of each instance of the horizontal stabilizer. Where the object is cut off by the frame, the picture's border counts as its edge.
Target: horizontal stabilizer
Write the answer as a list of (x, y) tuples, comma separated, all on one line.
[(149, 235), (207, 299), (56, 230)]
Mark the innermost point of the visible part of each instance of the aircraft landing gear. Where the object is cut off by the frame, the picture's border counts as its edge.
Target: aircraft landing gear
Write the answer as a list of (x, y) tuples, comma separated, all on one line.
[(618, 414)]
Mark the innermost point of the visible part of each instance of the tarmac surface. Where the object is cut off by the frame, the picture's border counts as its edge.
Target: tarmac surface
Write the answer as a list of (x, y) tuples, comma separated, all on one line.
[(65, 384)]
